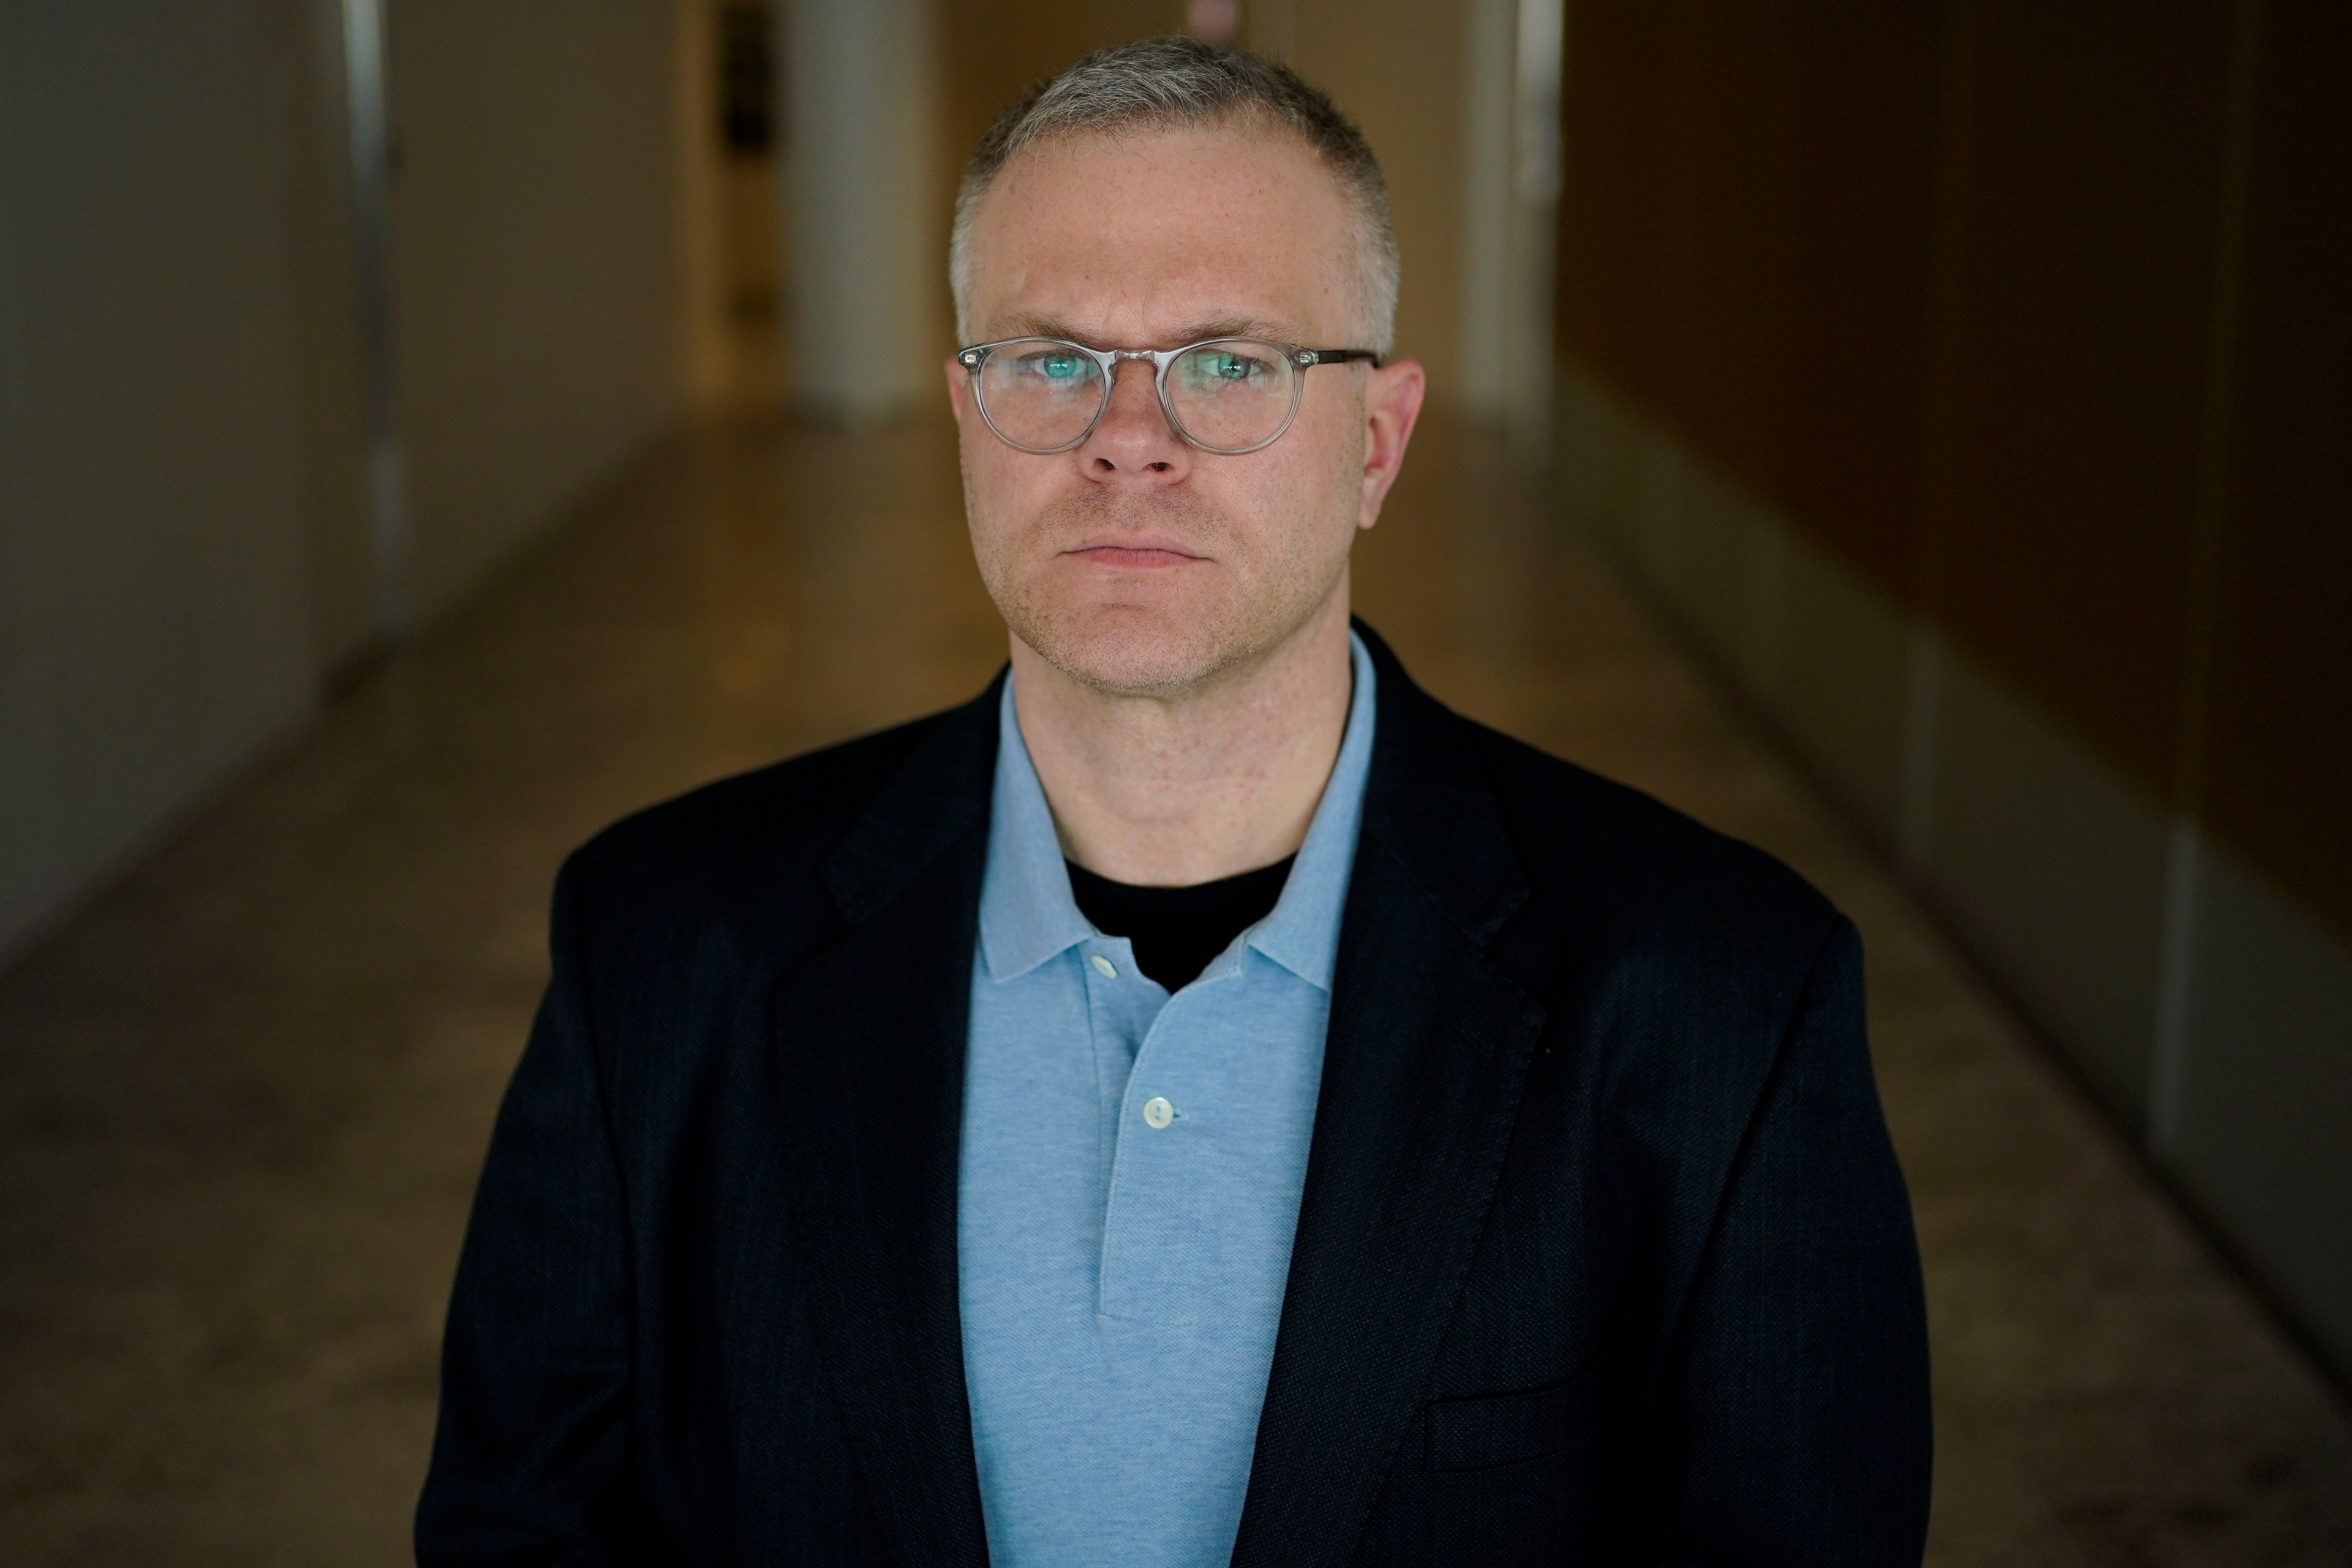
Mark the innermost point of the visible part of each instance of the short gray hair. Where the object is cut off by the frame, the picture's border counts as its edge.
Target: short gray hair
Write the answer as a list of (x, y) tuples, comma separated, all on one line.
[(1173, 84)]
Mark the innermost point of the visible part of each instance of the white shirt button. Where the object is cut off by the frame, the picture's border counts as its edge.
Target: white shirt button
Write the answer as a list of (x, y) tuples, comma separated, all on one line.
[(1158, 1112), (1109, 971)]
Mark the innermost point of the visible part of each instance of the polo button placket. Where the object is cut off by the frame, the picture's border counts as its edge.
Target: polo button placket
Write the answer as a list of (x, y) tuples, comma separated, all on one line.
[(1147, 1175)]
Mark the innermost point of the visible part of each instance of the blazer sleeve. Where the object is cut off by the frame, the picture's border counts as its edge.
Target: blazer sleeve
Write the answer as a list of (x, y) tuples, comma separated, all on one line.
[(531, 1455), (1795, 1424)]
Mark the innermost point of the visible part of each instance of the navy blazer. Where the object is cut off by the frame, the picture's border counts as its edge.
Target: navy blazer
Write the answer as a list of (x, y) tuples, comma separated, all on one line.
[(1603, 1255)]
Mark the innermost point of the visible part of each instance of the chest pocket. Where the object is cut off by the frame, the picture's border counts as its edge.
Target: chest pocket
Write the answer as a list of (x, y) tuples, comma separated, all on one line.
[(1487, 1430)]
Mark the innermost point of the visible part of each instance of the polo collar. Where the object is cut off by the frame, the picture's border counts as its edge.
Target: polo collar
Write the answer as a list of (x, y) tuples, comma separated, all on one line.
[(1028, 915)]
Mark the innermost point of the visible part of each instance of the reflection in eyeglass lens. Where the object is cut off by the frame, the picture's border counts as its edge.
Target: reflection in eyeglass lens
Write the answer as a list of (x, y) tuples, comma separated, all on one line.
[(1041, 394), (1232, 394)]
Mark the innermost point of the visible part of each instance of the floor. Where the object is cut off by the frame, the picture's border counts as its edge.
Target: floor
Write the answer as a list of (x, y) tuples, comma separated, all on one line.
[(244, 1094)]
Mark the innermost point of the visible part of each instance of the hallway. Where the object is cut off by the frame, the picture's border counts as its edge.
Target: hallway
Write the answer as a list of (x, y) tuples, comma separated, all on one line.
[(246, 1090)]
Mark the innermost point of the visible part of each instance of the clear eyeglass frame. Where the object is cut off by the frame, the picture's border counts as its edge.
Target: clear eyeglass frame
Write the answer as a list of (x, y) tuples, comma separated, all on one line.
[(975, 356)]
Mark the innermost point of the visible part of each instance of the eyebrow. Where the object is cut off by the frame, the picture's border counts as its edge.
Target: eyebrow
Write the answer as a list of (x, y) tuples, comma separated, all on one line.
[(1029, 326)]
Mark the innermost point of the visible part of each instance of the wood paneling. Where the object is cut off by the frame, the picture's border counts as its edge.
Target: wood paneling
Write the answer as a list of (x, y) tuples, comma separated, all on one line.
[(2040, 315), (2089, 218), (1854, 382), (1613, 190), (1744, 244), (2279, 741)]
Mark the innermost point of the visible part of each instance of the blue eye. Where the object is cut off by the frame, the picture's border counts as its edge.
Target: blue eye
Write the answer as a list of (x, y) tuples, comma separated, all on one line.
[(1057, 365), (1230, 369)]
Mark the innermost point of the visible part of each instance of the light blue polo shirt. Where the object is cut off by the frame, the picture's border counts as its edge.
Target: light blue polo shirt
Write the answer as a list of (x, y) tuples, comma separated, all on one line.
[(1130, 1173)]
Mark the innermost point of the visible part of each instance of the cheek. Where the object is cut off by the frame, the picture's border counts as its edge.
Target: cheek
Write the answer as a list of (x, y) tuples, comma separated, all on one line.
[(989, 520), (1305, 508), (1330, 475), (995, 490)]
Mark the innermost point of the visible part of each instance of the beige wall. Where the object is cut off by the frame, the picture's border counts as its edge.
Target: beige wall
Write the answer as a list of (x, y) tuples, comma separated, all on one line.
[(156, 626), (702, 206), (1397, 69), (537, 263), (184, 550), (329, 366)]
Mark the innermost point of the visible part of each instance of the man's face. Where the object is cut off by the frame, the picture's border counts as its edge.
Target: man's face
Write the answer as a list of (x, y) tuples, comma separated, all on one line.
[(1137, 562)]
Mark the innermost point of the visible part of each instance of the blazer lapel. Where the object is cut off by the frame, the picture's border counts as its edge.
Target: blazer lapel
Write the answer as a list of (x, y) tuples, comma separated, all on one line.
[(1427, 1047), (870, 1035)]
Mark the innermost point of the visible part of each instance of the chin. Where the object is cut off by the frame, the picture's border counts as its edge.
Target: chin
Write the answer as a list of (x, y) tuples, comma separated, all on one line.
[(1130, 650)]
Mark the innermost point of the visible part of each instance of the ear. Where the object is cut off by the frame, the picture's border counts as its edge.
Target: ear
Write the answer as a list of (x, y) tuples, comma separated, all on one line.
[(1393, 397), (959, 386)]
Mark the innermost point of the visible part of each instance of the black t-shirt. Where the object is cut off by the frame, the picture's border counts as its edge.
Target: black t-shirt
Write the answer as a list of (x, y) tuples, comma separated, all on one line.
[(1176, 930)]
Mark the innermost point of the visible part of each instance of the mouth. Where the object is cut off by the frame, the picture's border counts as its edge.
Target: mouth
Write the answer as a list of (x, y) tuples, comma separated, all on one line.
[(1134, 554)]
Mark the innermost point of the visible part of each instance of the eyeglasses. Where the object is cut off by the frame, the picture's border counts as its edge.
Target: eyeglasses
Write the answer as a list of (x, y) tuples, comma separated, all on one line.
[(1227, 395)]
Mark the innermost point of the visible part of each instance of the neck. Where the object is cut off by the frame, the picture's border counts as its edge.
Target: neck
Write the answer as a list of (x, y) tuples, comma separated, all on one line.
[(1176, 790)]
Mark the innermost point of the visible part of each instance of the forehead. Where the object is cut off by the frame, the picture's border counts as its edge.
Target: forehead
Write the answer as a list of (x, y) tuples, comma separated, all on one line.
[(1132, 237)]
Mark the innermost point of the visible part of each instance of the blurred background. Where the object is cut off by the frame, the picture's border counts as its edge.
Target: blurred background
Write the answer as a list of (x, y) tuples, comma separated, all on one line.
[(1913, 435)]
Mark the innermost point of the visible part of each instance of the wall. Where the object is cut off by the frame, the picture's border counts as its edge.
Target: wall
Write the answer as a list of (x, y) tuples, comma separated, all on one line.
[(1398, 69), (323, 222), (865, 327), (155, 627), (992, 54), (706, 289), (537, 267), (184, 552), (1969, 378)]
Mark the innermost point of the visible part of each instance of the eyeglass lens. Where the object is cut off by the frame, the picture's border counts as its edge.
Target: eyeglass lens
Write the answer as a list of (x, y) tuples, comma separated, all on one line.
[(1229, 395)]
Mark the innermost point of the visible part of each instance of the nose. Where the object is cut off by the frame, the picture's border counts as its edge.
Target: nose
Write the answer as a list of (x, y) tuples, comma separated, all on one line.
[(1134, 444)]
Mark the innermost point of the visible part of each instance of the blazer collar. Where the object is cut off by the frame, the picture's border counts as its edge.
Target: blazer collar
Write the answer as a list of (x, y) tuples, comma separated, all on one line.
[(1426, 1050), (1428, 803), (937, 795), (870, 1049)]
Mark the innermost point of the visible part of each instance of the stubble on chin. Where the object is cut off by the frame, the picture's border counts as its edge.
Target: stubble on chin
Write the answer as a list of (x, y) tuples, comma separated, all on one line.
[(1155, 643)]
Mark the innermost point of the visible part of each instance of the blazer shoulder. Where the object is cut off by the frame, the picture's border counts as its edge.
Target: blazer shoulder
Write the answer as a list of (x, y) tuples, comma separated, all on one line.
[(1618, 852), (744, 840)]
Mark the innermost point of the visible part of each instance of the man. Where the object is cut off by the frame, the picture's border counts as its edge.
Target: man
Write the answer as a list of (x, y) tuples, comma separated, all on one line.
[(1201, 1101)]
